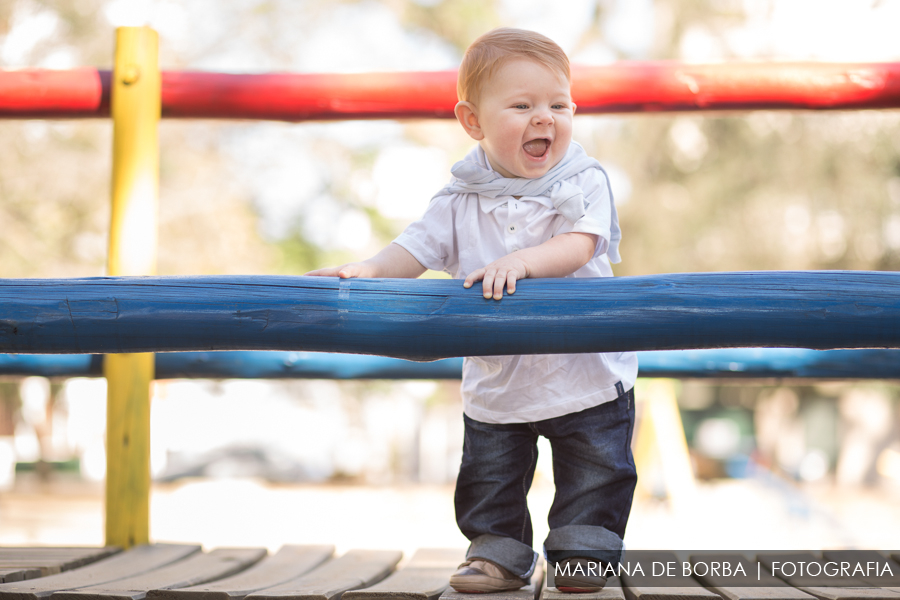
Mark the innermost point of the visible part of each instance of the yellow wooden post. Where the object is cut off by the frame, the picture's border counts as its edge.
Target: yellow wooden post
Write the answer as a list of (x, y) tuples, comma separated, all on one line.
[(135, 102), (660, 439)]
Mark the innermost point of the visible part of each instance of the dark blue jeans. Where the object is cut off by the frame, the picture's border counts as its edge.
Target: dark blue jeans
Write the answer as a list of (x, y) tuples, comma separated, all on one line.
[(593, 471)]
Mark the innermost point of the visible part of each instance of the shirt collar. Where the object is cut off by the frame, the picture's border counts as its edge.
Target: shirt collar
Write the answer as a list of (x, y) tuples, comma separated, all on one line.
[(489, 205)]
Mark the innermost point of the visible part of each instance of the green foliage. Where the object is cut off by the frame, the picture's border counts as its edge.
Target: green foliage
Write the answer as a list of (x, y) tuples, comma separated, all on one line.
[(767, 190), (298, 256), (457, 21)]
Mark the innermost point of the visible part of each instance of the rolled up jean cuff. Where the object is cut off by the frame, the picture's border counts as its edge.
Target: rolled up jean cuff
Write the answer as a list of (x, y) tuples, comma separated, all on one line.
[(512, 555), (585, 541)]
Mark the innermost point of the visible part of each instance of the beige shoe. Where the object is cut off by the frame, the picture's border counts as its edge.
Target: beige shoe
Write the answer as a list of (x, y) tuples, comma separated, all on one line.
[(579, 576), (478, 576)]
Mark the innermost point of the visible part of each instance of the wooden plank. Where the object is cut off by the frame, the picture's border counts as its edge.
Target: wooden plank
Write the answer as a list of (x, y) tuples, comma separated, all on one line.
[(425, 319), (851, 593), (666, 587), (863, 557), (425, 577), (287, 564), (782, 592), (18, 574), (119, 566), (50, 560), (193, 570), (133, 233), (612, 591), (71, 551), (354, 570), (758, 584), (532, 591), (821, 586)]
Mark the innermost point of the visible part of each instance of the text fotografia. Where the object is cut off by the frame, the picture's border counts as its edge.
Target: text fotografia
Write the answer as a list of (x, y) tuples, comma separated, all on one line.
[(735, 571), (831, 568)]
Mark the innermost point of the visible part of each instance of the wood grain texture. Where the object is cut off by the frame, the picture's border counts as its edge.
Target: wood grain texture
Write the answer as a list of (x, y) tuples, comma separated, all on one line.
[(288, 563), (821, 586), (127, 506), (760, 585), (193, 570), (886, 581), (10, 574), (664, 592), (850, 593), (139, 559), (430, 319), (425, 577), (778, 592), (612, 591), (135, 109), (48, 560), (356, 569), (674, 586)]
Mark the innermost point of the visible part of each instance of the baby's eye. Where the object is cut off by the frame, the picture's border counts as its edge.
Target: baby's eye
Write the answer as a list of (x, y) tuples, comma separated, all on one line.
[(521, 106), (559, 106)]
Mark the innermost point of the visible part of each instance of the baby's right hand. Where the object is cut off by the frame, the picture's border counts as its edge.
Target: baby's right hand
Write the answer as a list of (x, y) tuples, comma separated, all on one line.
[(357, 269)]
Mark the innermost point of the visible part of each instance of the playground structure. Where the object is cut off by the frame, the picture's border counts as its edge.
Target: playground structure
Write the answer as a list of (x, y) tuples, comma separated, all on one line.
[(787, 310)]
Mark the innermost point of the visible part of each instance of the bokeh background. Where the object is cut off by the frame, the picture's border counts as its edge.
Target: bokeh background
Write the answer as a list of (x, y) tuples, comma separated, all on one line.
[(775, 464)]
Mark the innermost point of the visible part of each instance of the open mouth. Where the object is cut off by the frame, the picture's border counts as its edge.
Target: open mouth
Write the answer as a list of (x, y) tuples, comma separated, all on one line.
[(536, 148)]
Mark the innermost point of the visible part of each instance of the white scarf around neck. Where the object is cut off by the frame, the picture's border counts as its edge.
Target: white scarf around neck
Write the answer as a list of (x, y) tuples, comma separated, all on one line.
[(470, 176)]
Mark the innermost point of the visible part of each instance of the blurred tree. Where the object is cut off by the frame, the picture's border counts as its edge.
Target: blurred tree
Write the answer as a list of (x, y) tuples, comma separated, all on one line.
[(767, 190), (457, 21)]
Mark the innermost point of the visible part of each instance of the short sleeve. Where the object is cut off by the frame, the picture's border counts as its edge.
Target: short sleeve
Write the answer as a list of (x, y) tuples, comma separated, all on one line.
[(432, 240), (599, 217)]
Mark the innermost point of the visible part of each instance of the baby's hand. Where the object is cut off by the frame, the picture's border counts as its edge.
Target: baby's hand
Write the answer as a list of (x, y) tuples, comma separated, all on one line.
[(357, 269), (497, 274)]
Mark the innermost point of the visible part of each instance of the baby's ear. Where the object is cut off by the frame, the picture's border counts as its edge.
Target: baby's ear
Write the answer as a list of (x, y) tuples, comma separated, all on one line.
[(465, 114)]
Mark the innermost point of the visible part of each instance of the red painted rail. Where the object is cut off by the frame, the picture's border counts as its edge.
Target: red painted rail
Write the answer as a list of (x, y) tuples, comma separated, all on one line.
[(619, 88)]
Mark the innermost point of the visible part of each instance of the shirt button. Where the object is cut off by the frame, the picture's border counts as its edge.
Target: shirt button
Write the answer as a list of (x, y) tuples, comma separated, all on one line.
[(512, 228)]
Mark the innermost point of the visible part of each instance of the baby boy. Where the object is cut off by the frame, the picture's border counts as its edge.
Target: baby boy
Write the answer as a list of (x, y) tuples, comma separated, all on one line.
[(527, 202)]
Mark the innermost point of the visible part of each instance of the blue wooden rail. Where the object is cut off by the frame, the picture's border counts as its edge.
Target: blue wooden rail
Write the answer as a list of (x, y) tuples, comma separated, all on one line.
[(431, 319), (783, 363)]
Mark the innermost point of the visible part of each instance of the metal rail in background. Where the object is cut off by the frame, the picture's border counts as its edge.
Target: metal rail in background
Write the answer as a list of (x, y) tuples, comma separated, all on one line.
[(624, 87)]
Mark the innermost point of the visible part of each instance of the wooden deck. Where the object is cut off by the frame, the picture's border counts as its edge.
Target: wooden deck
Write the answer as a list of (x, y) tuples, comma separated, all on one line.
[(185, 572)]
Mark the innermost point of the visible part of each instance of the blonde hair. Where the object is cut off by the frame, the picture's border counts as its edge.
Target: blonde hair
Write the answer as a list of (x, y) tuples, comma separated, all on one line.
[(495, 47)]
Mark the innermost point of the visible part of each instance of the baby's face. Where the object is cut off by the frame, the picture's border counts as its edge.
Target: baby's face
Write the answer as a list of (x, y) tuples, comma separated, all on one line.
[(525, 114)]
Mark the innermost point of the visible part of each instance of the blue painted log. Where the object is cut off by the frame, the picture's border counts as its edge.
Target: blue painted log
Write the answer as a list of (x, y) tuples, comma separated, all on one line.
[(250, 364), (769, 363), (241, 364), (49, 365), (432, 319), (746, 363)]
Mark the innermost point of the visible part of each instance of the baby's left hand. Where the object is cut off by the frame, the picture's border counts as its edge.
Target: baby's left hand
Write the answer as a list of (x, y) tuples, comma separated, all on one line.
[(504, 271)]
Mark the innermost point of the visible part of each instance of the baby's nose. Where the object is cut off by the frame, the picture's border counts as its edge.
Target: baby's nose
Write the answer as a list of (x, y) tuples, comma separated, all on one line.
[(542, 117)]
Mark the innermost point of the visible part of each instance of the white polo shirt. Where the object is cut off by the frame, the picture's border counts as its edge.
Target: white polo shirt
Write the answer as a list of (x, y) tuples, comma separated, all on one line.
[(459, 235)]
